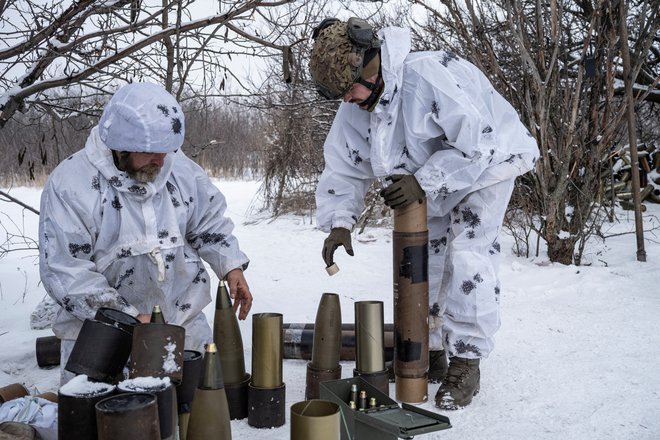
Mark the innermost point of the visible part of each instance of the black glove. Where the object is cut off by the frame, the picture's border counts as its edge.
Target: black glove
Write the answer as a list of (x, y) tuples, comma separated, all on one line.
[(338, 237), (403, 191)]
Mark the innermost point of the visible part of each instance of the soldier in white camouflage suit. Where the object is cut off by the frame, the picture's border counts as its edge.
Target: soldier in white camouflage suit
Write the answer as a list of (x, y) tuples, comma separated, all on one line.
[(126, 222), (433, 125)]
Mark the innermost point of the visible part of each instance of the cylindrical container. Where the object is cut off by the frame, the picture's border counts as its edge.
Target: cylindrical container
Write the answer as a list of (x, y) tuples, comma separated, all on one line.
[(237, 398), (158, 351), (267, 349), (100, 351), (299, 338), (315, 376), (117, 318), (266, 406), (193, 361), (76, 414), (411, 294), (369, 336), (370, 345), (185, 391), (209, 417), (315, 419), (12, 391), (47, 349), (131, 416), (327, 333), (52, 397), (163, 389), (227, 336), (266, 391)]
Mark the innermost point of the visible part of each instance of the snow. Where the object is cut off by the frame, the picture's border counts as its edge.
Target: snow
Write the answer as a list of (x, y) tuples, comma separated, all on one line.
[(576, 356)]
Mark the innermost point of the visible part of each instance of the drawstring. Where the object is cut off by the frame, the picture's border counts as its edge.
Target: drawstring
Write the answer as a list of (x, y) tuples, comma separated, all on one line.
[(157, 258)]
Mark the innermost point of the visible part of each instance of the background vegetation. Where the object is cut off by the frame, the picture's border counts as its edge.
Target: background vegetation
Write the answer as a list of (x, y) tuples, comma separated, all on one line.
[(560, 63)]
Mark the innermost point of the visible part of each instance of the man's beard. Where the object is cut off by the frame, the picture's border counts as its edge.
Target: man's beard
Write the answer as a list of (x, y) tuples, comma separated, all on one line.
[(145, 174)]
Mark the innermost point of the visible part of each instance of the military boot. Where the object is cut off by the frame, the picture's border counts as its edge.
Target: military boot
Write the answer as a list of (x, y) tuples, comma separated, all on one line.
[(437, 366), (460, 385)]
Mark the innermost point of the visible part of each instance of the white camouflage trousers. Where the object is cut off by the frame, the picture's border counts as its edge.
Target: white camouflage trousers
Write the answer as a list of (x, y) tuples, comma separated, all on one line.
[(464, 289)]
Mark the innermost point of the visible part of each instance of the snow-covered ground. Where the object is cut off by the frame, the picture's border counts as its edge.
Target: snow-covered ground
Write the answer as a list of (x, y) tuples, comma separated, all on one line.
[(576, 358)]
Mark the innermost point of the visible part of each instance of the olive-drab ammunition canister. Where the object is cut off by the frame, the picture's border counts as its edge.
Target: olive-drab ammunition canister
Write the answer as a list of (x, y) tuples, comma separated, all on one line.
[(370, 345), (76, 412), (158, 351), (164, 391), (410, 270), (266, 390), (326, 345), (209, 417), (299, 339), (128, 416), (227, 336), (47, 349), (315, 419), (100, 351)]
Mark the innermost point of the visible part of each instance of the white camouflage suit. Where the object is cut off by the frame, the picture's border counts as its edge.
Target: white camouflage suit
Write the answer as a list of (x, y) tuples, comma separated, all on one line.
[(107, 240), (440, 119)]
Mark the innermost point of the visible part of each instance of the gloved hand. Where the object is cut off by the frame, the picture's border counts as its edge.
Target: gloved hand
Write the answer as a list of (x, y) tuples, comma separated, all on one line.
[(338, 237), (403, 191)]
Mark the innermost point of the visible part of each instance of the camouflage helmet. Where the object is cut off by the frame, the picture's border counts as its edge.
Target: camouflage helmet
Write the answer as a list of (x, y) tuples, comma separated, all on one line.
[(338, 54)]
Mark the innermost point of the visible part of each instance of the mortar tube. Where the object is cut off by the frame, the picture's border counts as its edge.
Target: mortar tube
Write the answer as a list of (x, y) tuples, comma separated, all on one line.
[(209, 417), (411, 294)]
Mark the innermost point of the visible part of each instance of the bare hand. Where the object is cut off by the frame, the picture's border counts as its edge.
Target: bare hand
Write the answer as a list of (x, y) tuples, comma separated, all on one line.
[(239, 291), (144, 318)]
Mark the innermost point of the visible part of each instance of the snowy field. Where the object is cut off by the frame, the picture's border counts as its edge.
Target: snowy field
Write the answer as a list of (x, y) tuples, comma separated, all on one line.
[(576, 358)]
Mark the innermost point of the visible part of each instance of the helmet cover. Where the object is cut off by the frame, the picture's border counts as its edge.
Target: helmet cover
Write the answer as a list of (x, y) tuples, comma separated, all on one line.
[(142, 117), (335, 62)]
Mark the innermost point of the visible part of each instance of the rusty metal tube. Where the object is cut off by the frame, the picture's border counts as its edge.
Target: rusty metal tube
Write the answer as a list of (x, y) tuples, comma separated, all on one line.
[(411, 295)]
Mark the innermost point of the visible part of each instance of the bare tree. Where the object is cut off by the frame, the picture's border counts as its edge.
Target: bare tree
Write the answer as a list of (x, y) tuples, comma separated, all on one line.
[(80, 47), (558, 63)]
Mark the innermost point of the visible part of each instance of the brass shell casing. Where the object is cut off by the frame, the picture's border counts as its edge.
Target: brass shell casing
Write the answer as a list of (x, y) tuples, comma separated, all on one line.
[(411, 295), (315, 419), (369, 336), (267, 350)]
